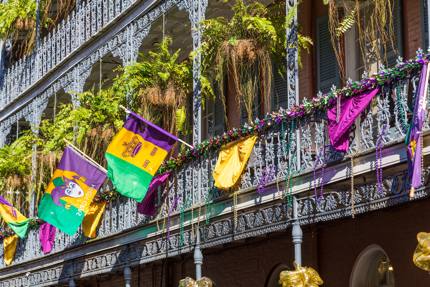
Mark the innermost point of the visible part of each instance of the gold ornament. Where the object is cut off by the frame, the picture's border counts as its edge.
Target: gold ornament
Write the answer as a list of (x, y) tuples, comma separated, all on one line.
[(301, 277), (190, 282), (421, 255)]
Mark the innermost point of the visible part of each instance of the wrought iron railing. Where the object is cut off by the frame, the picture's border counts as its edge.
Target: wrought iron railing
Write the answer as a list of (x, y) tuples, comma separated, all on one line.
[(86, 20), (274, 159)]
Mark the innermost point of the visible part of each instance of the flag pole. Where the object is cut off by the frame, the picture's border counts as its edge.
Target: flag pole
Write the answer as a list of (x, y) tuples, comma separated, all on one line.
[(181, 141), (85, 156)]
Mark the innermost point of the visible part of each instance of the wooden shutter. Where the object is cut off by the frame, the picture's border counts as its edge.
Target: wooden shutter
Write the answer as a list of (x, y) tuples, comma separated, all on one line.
[(397, 26), (425, 25), (219, 117), (327, 68), (280, 88)]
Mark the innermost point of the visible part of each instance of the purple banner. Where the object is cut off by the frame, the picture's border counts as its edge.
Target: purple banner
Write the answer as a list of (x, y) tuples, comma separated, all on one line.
[(415, 133), (148, 205), (47, 237), (350, 109)]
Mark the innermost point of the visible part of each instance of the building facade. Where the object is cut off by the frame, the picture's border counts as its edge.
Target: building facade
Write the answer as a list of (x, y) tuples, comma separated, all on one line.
[(359, 232)]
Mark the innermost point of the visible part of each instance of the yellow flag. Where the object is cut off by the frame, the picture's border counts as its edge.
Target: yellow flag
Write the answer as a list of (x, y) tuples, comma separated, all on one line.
[(231, 162), (421, 257), (92, 218), (9, 246)]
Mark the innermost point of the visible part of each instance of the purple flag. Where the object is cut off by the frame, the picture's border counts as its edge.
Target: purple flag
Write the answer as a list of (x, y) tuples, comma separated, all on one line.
[(350, 109), (47, 237), (414, 140), (69, 194), (148, 205)]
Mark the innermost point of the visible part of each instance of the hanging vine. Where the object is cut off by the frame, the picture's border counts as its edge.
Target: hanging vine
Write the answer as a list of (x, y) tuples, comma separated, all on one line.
[(373, 20)]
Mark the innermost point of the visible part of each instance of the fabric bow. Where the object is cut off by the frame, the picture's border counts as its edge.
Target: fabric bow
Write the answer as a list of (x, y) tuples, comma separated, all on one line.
[(421, 257), (190, 282), (301, 277)]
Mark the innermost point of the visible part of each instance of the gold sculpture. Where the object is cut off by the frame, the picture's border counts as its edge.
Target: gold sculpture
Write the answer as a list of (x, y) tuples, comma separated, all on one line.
[(301, 277), (190, 282), (421, 255)]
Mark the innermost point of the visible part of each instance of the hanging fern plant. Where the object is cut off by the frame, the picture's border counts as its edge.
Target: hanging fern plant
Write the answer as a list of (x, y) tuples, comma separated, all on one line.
[(160, 86), (240, 51), (18, 21), (374, 22)]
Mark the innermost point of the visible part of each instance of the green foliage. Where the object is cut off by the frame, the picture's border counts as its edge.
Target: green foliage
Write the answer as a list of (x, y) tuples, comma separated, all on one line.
[(97, 110), (240, 50), (157, 69), (281, 22), (15, 159), (12, 11), (347, 22), (249, 21)]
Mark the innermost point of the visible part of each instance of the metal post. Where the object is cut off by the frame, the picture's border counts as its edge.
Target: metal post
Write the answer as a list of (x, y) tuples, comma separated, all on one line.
[(37, 24), (293, 78), (198, 256), (297, 234), (72, 283), (127, 276), (196, 12)]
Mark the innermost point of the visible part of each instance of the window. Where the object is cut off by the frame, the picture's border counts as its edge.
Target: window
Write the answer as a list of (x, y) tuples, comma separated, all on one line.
[(355, 67), (327, 68), (425, 24), (372, 269)]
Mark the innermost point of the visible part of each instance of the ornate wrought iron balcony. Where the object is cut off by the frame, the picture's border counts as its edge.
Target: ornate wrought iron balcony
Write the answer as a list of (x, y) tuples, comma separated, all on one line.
[(320, 184)]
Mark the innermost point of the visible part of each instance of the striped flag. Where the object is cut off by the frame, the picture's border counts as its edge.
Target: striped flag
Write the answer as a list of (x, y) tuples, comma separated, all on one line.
[(135, 154), (16, 221)]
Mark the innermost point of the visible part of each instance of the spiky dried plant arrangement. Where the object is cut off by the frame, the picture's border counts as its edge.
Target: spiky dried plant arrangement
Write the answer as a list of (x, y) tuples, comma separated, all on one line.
[(374, 22), (18, 21), (239, 51)]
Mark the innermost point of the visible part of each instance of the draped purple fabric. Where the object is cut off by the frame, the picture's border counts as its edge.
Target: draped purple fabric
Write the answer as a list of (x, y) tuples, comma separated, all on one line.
[(148, 205), (414, 140), (350, 109), (47, 237)]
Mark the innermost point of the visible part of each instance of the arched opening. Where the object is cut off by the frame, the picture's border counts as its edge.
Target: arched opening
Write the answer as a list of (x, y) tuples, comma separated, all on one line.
[(273, 279), (372, 268)]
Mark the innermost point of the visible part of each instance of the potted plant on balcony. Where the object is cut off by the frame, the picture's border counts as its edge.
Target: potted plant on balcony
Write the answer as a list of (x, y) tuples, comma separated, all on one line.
[(160, 87), (18, 21), (237, 53), (375, 22), (15, 169)]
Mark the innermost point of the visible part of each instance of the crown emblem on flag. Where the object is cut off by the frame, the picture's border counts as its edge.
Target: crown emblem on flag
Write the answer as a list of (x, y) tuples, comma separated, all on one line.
[(132, 147)]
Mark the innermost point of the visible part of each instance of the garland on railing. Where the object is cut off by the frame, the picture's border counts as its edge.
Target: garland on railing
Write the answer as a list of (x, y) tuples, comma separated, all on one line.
[(402, 71)]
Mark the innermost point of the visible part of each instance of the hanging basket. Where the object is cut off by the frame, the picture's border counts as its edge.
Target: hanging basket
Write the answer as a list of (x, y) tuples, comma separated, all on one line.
[(170, 96), (25, 24)]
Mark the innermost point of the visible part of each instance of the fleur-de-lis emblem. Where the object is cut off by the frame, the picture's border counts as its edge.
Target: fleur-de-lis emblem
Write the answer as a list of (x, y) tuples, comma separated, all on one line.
[(132, 147)]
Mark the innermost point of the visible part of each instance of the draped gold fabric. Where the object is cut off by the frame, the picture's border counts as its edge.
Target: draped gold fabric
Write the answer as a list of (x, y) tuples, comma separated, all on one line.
[(421, 257), (190, 282), (9, 245), (231, 162), (92, 219), (301, 277)]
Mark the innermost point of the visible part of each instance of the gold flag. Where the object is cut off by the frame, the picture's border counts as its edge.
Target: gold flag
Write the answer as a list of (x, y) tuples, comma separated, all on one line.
[(9, 246), (231, 162), (92, 219), (421, 257)]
